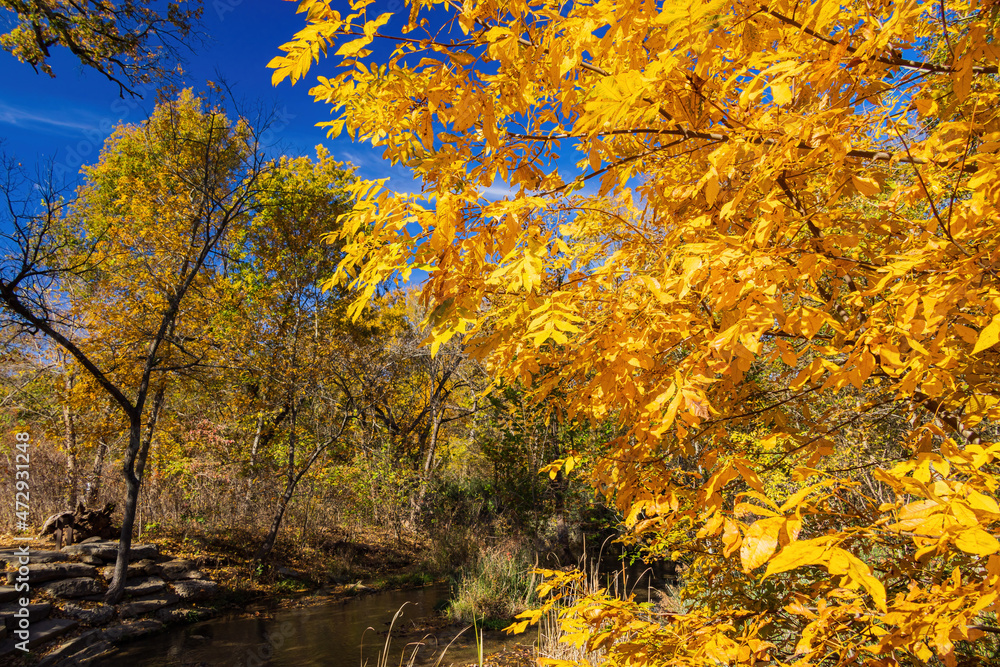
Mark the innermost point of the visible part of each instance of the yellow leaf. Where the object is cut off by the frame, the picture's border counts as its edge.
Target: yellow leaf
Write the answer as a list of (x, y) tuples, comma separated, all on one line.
[(759, 543), (730, 537), (750, 477), (712, 189), (570, 464), (866, 186), (799, 554), (516, 628), (977, 541), (989, 336), (983, 503), (781, 93), (353, 47)]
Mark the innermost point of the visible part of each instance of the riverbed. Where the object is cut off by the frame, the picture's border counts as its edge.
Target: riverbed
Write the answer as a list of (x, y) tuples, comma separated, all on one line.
[(341, 633)]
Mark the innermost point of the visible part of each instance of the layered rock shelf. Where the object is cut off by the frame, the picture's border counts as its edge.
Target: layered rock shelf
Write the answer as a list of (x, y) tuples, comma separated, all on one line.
[(67, 589)]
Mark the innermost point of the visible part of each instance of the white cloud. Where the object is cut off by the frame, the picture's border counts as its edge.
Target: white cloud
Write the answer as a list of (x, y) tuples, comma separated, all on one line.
[(69, 123)]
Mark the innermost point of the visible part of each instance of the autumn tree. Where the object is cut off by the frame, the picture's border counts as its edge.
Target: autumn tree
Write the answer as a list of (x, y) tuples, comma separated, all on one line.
[(409, 401), (282, 331), (130, 43), (783, 212), (142, 234)]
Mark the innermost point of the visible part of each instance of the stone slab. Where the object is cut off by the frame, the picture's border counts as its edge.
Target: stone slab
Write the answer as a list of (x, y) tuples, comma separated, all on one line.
[(96, 615), (74, 588), (144, 586), (182, 614), (10, 556), (8, 593), (193, 590), (128, 631), (88, 655), (140, 568), (140, 551), (181, 568), (41, 633), (108, 550), (140, 606), (36, 612), (105, 550), (70, 652), (51, 571)]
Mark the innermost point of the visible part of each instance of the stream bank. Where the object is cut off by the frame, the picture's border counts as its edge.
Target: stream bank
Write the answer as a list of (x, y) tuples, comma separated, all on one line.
[(345, 633), (306, 585)]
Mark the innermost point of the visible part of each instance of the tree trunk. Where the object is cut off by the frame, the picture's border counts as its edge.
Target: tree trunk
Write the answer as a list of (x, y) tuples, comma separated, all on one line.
[(262, 437), (132, 483), (417, 503), (562, 530), (96, 474), (291, 481), (69, 444), (135, 463), (252, 476), (272, 533)]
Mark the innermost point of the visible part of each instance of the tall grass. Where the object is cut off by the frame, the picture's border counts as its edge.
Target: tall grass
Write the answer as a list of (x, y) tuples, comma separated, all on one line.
[(383, 656), (497, 586), (549, 642)]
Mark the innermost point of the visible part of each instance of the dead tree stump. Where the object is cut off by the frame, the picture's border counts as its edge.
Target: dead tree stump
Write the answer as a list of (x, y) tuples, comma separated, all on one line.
[(80, 525)]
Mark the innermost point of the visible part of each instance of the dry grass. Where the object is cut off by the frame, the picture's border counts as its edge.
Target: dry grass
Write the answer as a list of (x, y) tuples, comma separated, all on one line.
[(497, 585)]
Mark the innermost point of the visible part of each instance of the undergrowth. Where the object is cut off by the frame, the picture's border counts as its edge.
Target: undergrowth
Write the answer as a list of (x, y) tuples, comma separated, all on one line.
[(497, 585)]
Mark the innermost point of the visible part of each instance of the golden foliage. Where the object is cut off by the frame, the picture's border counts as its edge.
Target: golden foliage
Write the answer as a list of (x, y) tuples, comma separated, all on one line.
[(773, 263)]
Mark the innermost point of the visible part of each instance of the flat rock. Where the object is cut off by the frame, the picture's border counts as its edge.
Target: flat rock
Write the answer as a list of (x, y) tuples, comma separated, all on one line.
[(74, 588), (41, 633), (180, 568), (8, 593), (126, 631), (87, 655), (140, 551), (144, 586), (10, 556), (148, 566), (179, 614), (36, 612), (108, 550), (137, 569), (96, 615), (193, 589), (289, 573), (78, 651), (144, 605), (67, 652), (91, 540), (50, 571), (92, 560)]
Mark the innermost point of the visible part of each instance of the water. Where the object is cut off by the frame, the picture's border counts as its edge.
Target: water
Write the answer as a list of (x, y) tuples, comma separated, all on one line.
[(333, 634)]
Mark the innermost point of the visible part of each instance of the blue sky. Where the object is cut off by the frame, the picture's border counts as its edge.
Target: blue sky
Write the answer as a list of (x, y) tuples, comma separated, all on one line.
[(66, 119)]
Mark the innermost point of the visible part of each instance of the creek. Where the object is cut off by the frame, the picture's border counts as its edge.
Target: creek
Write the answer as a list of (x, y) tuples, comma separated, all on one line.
[(332, 634)]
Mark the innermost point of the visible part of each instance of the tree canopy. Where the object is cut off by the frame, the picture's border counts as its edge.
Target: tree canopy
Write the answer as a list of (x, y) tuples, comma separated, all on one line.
[(130, 43), (762, 237)]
